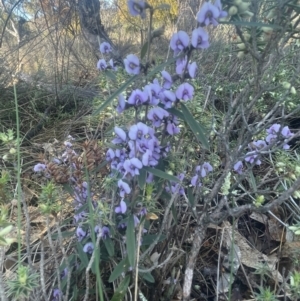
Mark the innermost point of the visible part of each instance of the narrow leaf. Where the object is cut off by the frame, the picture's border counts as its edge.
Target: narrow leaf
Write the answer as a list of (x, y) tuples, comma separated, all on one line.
[(121, 290), (122, 267), (82, 256), (251, 24), (130, 240), (161, 174), (144, 50), (191, 197), (148, 277), (195, 126), (142, 178), (109, 246), (114, 95), (150, 238), (109, 74)]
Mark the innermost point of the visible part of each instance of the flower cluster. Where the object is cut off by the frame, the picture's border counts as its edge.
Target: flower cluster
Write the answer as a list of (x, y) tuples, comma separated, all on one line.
[(105, 48), (276, 135), (201, 171)]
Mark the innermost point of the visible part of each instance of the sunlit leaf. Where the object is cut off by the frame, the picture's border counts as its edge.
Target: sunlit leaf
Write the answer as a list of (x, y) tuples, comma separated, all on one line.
[(122, 267), (130, 240)]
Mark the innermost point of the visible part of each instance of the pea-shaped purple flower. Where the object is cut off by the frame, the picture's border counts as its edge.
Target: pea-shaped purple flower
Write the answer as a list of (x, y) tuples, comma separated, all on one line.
[(88, 248), (101, 65), (132, 64), (124, 188), (179, 41), (105, 48), (200, 38), (137, 8), (167, 80), (185, 92), (122, 208), (208, 14), (133, 166)]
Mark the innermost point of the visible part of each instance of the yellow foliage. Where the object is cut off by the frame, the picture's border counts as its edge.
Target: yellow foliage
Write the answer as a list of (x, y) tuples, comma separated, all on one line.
[(160, 17)]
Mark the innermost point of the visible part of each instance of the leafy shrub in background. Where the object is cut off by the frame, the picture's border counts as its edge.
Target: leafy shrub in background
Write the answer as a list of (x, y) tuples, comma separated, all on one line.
[(116, 221)]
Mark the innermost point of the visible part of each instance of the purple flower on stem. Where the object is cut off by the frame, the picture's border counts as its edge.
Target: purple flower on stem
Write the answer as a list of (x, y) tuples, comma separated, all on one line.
[(64, 273), (195, 182), (112, 65), (200, 38), (105, 48), (218, 5), (153, 91), (156, 115), (122, 208), (110, 155), (39, 167), (102, 231), (101, 65), (251, 157), (138, 131), (121, 104), (80, 233), (167, 80), (148, 159), (121, 136), (204, 169), (179, 41), (124, 188), (208, 14), (150, 177), (167, 98), (238, 167), (181, 65), (56, 293), (88, 248), (132, 64), (192, 68), (133, 166), (185, 92), (137, 97), (286, 132), (137, 8), (274, 129), (257, 145)]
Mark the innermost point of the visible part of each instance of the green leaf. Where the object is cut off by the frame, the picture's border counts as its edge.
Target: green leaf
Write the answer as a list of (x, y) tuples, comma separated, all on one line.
[(109, 74), (195, 126), (161, 174), (175, 112), (142, 178), (121, 267), (191, 197), (148, 277), (121, 290), (130, 240), (163, 6), (109, 246), (251, 24), (64, 234), (144, 50), (252, 181), (114, 95), (150, 238), (82, 256)]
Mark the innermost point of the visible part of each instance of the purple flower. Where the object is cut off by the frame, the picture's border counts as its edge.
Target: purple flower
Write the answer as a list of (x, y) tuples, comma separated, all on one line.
[(167, 80), (133, 166), (204, 169), (110, 155), (271, 138), (56, 293), (179, 41), (172, 129), (208, 14), (153, 91), (195, 182), (238, 167), (181, 65), (64, 273), (105, 48), (137, 8), (251, 157), (137, 97), (124, 188), (138, 131), (111, 62), (200, 38), (88, 248), (122, 208), (274, 129), (68, 144), (286, 132), (257, 145), (218, 5), (121, 136), (148, 159), (192, 68), (39, 167), (185, 92), (80, 233), (149, 177), (101, 65), (167, 98), (102, 231), (132, 64), (156, 115), (121, 104)]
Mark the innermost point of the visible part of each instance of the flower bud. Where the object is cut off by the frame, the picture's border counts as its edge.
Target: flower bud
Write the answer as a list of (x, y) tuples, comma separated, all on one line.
[(241, 46), (267, 30), (292, 176), (237, 2), (243, 7), (271, 14), (296, 194), (247, 14), (280, 164), (233, 10), (286, 85), (12, 151), (297, 169), (293, 91), (240, 54)]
